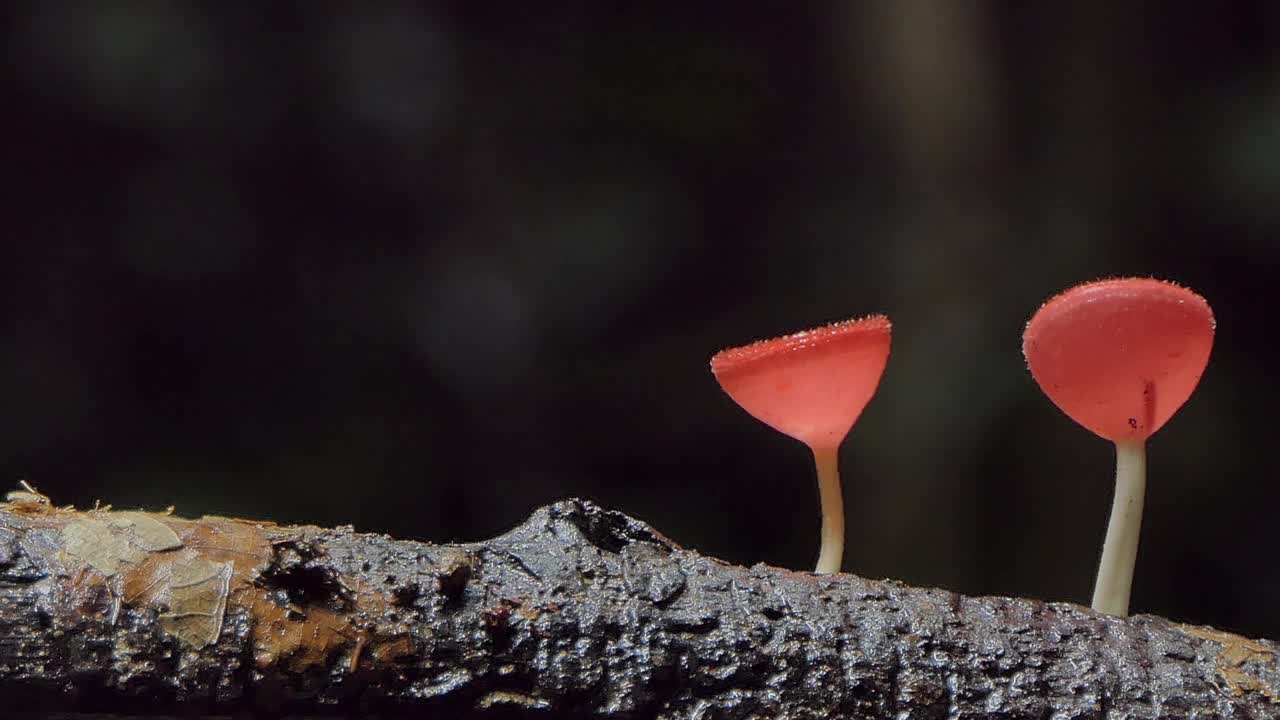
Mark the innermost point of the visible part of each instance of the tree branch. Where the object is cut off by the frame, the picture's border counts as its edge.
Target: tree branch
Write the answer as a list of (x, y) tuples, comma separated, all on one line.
[(579, 612)]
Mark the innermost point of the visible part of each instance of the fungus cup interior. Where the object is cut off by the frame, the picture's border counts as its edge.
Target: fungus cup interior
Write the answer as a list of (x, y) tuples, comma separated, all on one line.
[(1120, 357), (812, 385)]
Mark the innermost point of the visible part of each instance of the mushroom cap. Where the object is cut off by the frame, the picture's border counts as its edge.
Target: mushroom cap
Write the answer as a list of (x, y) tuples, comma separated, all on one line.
[(811, 385), (1120, 356)]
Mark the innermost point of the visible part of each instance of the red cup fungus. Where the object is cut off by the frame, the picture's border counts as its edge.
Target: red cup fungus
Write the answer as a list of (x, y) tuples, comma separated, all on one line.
[(812, 385), (1120, 357)]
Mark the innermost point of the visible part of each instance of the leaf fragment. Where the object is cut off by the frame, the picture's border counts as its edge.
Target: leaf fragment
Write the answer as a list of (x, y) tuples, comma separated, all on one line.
[(92, 542), (147, 532)]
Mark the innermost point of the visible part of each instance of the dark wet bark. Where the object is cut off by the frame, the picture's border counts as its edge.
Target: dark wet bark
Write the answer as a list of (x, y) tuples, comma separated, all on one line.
[(579, 612)]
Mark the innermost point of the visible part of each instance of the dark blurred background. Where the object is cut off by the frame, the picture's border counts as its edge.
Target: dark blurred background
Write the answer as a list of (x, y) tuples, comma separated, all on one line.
[(424, 268)]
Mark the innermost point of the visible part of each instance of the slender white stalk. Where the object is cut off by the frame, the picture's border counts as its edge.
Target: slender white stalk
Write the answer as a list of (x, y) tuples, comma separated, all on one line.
[(1120, 549), (832, 553)]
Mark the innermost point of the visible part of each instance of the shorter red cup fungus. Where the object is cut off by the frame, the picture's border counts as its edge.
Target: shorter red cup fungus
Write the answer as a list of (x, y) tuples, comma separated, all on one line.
[(812, 385), (1120, 357)]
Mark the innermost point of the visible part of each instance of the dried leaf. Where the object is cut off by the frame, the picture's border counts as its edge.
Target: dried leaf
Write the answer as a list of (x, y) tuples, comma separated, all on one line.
[(92, 542), (241, 543), (197, 600), (193, 584), (147, 532), (1235, 659)]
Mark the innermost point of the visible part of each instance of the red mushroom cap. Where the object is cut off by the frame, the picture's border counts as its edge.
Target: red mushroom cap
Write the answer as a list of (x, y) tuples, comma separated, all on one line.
[(1120, 356), (811, 385)]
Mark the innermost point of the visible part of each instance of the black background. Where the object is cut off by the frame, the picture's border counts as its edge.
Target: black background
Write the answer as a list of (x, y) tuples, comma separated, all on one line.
[(423, 268)]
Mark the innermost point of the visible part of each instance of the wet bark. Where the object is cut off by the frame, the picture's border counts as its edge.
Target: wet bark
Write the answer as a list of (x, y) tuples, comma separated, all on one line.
[(578, 612)]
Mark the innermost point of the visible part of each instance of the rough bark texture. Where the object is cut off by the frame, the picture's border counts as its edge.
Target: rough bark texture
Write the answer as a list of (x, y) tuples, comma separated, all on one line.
[(579, 612)]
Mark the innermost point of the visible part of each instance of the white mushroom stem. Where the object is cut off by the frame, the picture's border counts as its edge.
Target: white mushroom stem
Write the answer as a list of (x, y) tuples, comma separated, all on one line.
[(1120, 549), (832, 553)]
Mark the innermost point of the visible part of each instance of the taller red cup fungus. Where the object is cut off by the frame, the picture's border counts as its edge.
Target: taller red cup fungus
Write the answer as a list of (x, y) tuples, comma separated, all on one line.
[(1120, 357), (812, 385)]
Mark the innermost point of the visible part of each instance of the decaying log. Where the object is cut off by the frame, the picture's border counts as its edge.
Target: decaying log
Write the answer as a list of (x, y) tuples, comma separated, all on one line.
[(579, 612)]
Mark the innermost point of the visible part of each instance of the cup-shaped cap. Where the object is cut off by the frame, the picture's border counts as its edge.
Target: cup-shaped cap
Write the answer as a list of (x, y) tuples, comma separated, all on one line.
[(1120, 356), (811, 385)]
